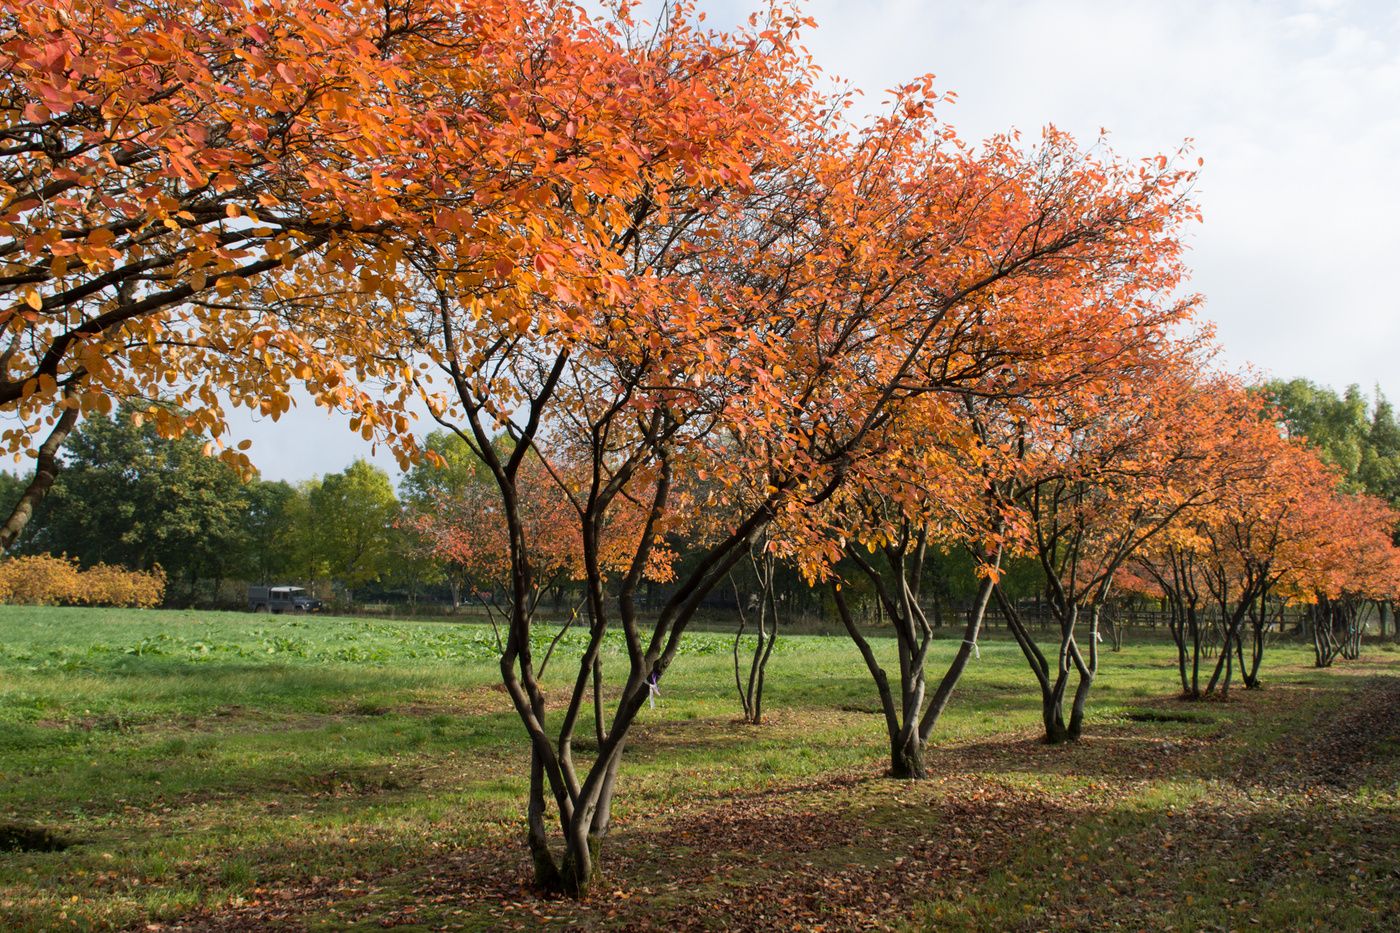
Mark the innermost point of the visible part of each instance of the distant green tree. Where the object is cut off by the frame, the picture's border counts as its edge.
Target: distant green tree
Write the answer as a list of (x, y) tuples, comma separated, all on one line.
[(950, 581), (1360, 437), (1379, 472), (353, 524), (271, 538), (459, 466), (412, 566), (300, 537), (131, 497)]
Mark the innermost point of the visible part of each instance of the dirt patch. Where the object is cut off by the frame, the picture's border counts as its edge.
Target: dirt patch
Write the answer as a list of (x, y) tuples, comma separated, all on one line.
[(16, 837)]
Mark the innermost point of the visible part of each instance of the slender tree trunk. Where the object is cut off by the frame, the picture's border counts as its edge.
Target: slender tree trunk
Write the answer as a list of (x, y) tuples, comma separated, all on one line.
[(886, 696), (1176, 624), (1052, 692), (758, 677), (1052, 711), (1087, 675), (46, 467), (738, 641), (751, 690), (944, 692), (1250, 673)]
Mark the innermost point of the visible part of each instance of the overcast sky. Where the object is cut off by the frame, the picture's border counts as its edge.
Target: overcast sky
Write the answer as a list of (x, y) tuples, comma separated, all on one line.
[(1293, 104)]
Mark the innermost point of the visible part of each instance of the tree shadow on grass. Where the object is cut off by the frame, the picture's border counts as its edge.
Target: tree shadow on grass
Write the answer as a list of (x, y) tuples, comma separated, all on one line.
[(857, 851), (861, 853), (1343, 735)]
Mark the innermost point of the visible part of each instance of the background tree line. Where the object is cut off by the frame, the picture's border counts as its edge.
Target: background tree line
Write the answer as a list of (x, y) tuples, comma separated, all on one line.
[(1358, 435), (128, 496)]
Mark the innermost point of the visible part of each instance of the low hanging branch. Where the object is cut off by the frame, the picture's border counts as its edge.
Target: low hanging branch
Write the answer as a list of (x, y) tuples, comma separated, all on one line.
[(46, 467)]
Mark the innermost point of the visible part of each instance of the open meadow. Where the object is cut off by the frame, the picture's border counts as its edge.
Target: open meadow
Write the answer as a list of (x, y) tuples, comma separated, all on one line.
[(217, 771)]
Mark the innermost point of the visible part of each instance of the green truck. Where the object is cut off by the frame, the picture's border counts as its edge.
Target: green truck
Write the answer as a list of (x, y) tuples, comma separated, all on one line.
[(280, 599)]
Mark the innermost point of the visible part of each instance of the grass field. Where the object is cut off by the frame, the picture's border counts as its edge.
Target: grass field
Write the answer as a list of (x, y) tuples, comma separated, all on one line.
[(228, 771)]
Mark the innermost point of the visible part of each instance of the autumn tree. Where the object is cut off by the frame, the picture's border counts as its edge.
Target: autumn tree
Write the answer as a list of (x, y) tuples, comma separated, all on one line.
[(442, 499), (197, 196), (1105, 475), (918, 498), (763, 296), (579, 372), (1256, 545), (1282, 531), (1354, 569), (955, 463), (461, 526)]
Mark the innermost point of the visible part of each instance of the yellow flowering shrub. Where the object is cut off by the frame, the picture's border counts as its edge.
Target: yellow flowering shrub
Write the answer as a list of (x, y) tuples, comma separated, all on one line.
[(45, 580)]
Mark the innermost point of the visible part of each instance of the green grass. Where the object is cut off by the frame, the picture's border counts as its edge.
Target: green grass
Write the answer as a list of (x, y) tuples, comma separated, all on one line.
[(334, 770)]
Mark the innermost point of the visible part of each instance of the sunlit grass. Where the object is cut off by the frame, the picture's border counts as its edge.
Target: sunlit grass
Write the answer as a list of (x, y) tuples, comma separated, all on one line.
[(197, 759)]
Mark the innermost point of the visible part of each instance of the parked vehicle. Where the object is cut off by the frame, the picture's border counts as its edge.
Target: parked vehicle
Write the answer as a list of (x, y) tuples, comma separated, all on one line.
[(280, 599)]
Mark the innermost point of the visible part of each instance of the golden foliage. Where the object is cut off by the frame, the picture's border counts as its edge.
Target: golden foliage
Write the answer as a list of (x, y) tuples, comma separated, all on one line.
[(45, 580)]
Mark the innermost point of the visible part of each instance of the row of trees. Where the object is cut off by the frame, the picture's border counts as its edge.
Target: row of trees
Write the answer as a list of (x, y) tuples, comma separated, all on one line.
[(658, 284)]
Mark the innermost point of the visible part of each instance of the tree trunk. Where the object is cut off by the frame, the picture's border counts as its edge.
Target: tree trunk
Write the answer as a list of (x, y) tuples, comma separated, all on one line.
[(1087, 675), (1052, 714), (46, 467), (899, 764), (751, 691), (944, 693), (907, 760), (1052, 692)]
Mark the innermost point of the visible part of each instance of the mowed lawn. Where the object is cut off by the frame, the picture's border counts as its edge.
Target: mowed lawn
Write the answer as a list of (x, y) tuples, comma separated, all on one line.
[(230, 771)]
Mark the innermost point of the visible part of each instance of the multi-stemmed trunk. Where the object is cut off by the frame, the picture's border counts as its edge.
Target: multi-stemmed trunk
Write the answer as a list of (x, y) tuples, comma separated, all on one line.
[(911, 717), (1054, 680), (1187, 634), (1116, 631), (578, 795), (765, 606), (1184, 618), (1240, 609), (1336, 627), (1258, 637), (1232, 623)]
